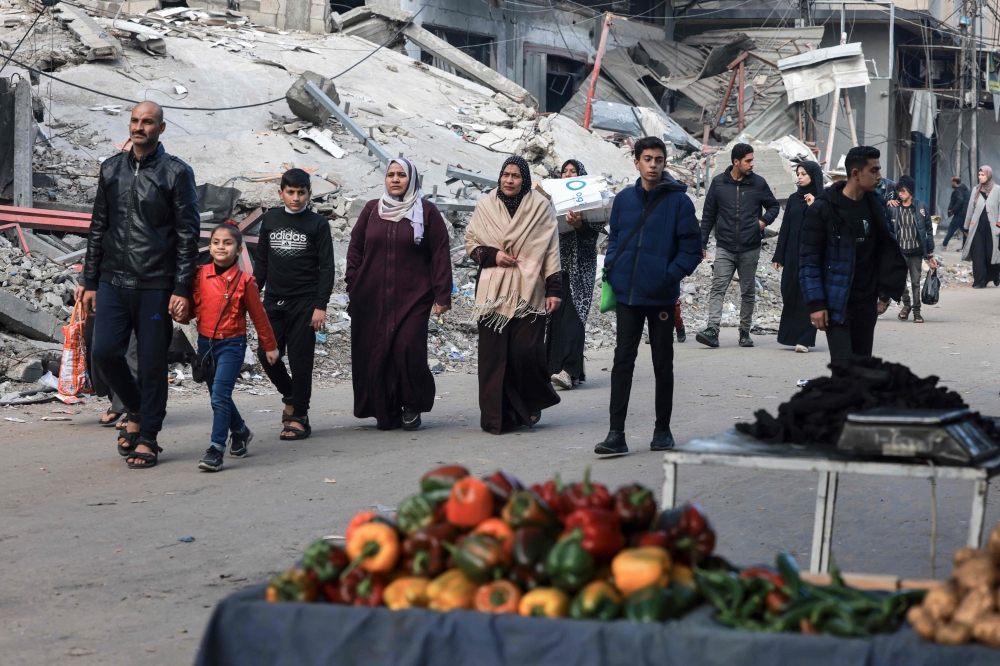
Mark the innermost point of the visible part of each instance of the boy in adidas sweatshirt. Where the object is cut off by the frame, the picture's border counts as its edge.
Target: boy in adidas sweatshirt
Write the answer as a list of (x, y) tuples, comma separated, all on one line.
[(295, 269)]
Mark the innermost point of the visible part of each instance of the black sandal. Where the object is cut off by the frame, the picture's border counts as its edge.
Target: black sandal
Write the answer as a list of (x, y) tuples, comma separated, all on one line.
[(535, 418), (904, 313), (113, 422), (297, 434), (129, 437), (149, 458)]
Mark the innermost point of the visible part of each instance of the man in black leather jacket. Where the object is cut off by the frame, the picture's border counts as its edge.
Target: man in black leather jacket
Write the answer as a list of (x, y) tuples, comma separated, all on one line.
[(140, 264), (738, 205)]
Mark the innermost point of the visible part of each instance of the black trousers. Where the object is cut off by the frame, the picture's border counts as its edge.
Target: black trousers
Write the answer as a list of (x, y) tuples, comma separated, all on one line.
[(855, 337), (661, 340), (292, 325), (144, 311)]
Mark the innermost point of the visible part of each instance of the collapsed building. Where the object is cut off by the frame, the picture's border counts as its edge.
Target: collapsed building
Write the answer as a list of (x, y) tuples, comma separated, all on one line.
[(455, 86)]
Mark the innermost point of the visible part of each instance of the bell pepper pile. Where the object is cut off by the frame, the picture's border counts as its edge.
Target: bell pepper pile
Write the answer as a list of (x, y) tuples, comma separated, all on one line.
[(493, 545), (779, 600)]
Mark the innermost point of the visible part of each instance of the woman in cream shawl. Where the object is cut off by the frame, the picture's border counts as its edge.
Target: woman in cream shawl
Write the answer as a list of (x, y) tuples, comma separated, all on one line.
[(512, 236), (981, 224)]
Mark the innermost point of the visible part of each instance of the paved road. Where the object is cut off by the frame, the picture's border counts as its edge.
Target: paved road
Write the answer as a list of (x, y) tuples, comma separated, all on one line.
[(93, 572)]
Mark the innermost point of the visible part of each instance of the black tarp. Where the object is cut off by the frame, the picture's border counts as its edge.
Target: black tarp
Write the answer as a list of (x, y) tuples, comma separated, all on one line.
[(246, 631)]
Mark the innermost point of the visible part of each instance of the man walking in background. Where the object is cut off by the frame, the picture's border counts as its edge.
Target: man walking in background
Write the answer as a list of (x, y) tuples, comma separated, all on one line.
[(957, 208), (141, 253), (738, 205), (911, 223), (849, 263)]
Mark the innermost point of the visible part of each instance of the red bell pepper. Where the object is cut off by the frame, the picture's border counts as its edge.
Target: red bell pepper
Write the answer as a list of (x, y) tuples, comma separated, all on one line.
[(587, 495), (501, 485), (602, 535), (552, 493), (360, 588), (692, 538), (470, 503), (635, 508), (657, 538)]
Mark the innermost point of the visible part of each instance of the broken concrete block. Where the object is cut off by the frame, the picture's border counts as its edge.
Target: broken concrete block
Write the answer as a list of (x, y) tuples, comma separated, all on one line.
[(22, 317), (302, 103), (28, 371), (336, 23)]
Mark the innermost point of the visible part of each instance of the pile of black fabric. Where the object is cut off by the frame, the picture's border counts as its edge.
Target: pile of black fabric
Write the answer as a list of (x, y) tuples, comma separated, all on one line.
[(816, 414)]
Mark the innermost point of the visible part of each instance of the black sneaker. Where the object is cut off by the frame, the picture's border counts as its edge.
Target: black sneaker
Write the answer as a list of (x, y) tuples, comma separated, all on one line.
[(239, 442), (411, 419), (613, 443), (709, 337), (681, 334), (745, 340), (212, 462), (663, 440)]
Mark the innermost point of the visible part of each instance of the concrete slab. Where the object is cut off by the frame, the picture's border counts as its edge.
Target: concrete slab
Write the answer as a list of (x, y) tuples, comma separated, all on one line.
[(19, 316)]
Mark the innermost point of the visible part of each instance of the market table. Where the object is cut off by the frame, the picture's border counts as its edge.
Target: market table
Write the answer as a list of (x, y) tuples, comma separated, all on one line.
[(247, 631), (734, 449)]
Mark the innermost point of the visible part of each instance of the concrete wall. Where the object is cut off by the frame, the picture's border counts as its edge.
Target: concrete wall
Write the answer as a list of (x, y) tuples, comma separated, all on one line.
[(306, 15), (514, 27)]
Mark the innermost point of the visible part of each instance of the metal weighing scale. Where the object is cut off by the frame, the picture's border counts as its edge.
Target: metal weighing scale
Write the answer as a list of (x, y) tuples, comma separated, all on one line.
[(946, 436)]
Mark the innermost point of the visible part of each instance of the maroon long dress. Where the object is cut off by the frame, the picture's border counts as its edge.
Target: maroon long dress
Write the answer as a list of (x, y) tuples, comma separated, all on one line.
[(392, 283)]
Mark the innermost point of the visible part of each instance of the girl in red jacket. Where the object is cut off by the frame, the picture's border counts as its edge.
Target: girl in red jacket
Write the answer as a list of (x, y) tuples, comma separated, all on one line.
[(223, 295)]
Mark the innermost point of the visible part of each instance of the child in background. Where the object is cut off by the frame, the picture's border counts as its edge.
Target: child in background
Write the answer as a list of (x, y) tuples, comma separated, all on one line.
[(222, 296), (294, 267)]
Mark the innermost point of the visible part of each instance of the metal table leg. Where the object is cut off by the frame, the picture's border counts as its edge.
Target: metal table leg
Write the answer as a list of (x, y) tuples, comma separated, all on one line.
[(826, 499), (669, 499), (980, 489)]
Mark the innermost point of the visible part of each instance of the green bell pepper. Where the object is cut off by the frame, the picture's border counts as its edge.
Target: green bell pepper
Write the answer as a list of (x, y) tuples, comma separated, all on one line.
[(414, 513), (597, 601), (325, 560), (568, 565)]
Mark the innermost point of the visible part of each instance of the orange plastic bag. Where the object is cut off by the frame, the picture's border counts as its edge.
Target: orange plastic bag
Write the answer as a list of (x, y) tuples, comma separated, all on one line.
[(73, 376)]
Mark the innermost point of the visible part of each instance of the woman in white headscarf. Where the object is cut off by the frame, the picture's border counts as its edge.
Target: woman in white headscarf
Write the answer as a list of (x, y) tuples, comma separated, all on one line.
[(398, 271)]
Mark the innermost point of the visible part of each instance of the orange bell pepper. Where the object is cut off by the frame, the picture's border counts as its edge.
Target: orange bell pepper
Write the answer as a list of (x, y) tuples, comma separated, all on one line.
[(544, 602), (470, 503), (358, 520), (451, 590), (636, 568), (497, 528), (374, 547), (500, 596), (406, 592), (683, 575)]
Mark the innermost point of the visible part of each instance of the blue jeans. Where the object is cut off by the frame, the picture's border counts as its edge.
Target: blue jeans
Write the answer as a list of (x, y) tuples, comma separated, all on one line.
[(228, 354), (957, 226)]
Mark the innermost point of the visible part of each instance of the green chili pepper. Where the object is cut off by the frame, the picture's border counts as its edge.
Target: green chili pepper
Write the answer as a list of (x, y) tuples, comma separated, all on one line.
[(790, 619), (788, 568)]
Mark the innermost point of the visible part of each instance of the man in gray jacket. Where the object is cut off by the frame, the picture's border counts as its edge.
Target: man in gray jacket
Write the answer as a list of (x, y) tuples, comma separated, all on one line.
[(738, 205), (911, 222)]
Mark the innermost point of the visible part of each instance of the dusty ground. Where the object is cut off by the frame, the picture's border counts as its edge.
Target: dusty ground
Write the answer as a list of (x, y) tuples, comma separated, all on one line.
[(95, 573)]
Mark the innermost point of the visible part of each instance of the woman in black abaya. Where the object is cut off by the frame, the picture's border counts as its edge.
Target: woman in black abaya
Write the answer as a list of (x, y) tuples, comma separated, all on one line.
[(796, 328)]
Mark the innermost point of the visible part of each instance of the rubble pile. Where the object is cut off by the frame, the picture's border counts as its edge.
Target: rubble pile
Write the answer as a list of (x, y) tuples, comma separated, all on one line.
[(40, 282)]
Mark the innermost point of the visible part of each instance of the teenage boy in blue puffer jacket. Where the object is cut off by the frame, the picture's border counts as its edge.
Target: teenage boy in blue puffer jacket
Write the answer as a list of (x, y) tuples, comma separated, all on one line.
[(644, 270), (850, 264)]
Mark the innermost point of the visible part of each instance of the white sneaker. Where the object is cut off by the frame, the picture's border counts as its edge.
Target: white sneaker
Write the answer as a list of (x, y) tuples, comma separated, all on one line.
[(563, 380), (801, 349)]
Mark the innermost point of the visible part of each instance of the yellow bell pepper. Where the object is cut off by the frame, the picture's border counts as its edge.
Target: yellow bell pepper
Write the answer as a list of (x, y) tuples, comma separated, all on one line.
[(406, 592), (544, 602), (636, 568), (451, 590)]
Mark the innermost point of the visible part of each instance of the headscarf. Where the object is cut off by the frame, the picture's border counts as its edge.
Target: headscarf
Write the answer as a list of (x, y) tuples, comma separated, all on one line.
[(580, 170), (410, 205), (986, 187), (815, 172), (512, 203)]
